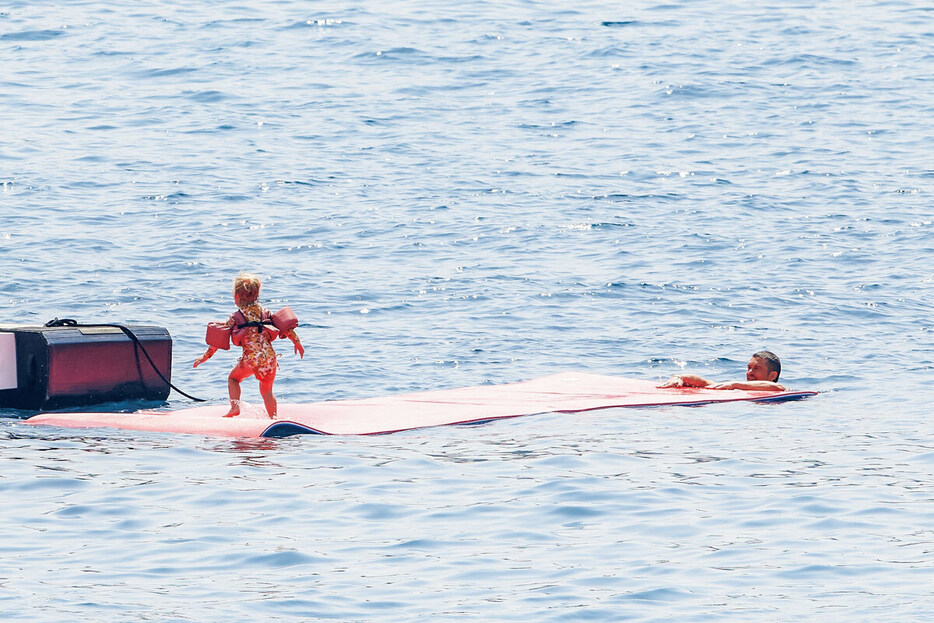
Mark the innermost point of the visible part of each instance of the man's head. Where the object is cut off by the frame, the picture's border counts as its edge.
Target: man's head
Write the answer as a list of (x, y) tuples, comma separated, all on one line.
[(764, 366)]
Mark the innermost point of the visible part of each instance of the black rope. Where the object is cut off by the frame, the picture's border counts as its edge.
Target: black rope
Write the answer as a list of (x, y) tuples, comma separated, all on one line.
[(70, 322)]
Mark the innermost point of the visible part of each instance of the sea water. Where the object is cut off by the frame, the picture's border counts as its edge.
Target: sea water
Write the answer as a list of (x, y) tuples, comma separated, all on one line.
[(462, 193)]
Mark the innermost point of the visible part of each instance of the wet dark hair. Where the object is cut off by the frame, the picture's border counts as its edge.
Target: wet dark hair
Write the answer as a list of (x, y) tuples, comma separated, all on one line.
[(772, 362)]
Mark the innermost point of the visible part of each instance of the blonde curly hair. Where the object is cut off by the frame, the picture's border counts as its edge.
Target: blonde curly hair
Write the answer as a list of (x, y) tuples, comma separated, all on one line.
[(246, 288)]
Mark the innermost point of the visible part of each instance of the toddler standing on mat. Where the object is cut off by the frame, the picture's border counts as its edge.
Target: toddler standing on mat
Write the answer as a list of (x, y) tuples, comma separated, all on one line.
[(252, 327)]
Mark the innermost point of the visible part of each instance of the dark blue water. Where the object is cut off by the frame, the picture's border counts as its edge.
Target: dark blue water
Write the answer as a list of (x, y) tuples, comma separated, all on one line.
[(452, 194)]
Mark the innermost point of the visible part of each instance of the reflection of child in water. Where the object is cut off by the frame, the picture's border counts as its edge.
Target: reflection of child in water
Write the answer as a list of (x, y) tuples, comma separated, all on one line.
[(259, 358)]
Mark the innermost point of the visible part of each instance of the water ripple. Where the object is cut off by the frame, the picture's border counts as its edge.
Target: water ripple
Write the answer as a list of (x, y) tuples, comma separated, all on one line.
[(460, 194)]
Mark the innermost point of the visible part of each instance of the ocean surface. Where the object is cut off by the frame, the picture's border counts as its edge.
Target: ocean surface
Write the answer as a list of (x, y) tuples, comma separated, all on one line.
[(463, 193)]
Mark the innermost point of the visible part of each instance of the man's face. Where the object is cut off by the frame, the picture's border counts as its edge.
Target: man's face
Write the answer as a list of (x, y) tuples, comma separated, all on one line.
[(757, 370)]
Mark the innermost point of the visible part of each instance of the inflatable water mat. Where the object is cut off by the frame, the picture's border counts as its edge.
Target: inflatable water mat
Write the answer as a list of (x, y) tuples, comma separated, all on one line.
[(567, 392)]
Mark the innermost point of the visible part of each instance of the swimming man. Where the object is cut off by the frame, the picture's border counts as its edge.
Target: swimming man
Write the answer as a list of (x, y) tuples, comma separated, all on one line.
[(762, 374)]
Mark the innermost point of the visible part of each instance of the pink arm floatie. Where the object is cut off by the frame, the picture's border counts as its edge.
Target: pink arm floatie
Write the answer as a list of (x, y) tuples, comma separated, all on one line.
[(218, 335), (284, 320)]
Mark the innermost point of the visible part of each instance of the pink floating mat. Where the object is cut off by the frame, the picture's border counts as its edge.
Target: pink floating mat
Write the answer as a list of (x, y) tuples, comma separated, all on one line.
[(567, 392)]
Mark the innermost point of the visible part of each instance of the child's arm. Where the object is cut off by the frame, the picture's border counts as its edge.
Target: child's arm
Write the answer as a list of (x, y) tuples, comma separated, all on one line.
[(207, 355), (298, 343)]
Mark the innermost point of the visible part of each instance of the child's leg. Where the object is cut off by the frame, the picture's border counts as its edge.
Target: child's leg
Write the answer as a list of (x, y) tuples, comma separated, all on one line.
[(265, 390), (233, 387)]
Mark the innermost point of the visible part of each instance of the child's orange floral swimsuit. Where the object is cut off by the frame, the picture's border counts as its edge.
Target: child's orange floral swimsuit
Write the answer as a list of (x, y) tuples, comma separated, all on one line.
[(258, 354)]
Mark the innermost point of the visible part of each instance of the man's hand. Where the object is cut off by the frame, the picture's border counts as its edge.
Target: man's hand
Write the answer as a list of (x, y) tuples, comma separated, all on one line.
[(685, 380)]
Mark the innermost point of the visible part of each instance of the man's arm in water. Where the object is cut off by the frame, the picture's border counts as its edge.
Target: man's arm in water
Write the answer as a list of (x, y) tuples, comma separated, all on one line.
[(692, 380), (686, 380), (762, 386)]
